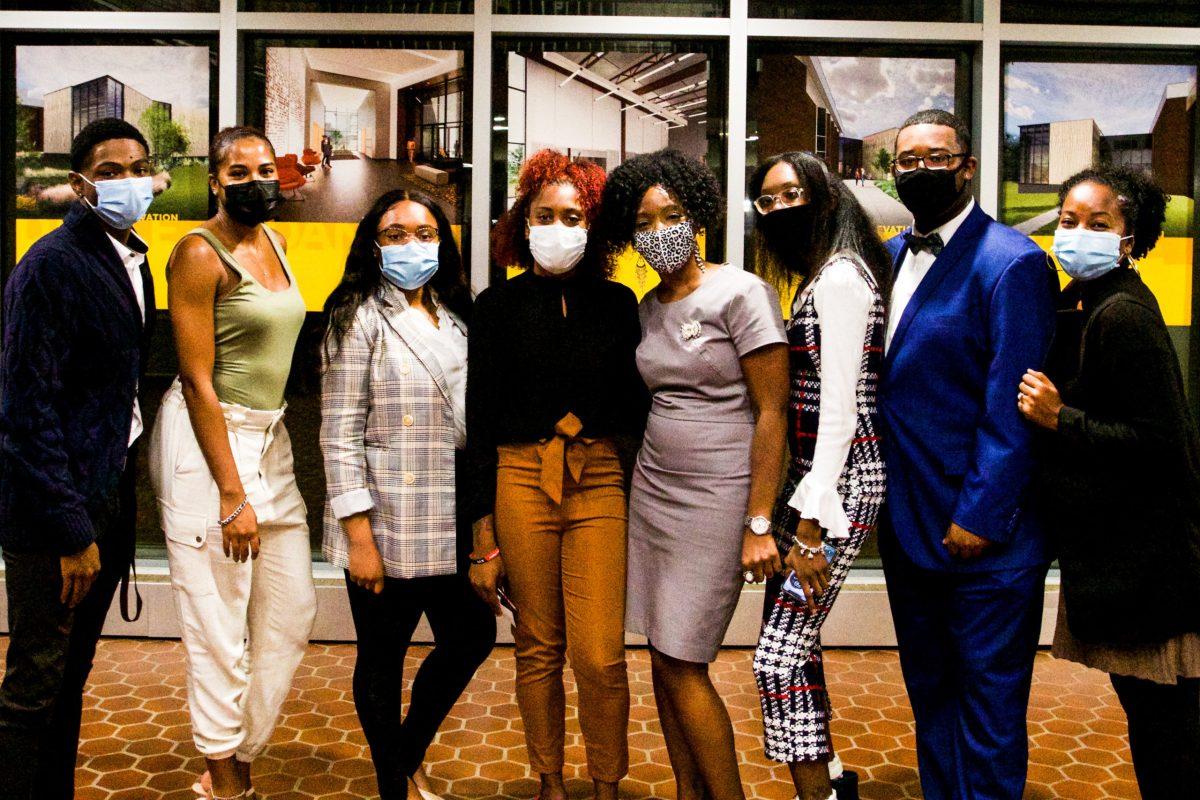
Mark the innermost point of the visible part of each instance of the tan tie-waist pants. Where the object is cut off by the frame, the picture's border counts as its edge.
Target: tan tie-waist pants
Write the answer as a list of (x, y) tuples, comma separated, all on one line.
[(560, 524)]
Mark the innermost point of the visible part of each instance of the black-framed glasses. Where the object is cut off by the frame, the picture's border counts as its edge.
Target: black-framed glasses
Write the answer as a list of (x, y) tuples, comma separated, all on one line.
[(931, 161), (791, 196), (395, 234)]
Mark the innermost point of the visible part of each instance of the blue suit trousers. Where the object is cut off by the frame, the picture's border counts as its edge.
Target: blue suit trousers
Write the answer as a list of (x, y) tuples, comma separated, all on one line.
[(967, 642)]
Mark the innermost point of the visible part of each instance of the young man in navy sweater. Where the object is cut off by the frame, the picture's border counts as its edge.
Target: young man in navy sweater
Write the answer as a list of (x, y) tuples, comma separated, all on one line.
[(75, 330)]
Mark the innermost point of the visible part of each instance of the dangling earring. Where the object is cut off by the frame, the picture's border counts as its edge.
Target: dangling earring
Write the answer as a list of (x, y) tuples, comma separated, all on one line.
[(641, 269)]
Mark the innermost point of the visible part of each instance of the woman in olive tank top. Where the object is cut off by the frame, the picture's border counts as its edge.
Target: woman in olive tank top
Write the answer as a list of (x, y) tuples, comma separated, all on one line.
[(221, 464)]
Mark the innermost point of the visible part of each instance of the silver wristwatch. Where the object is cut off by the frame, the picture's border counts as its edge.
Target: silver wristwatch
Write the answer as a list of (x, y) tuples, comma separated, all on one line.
[(759, 526)]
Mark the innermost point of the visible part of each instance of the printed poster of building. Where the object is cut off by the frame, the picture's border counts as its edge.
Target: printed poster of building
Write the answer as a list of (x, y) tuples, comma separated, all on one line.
[(848, 115), (1061, 118), (163, 91), (606, 107)]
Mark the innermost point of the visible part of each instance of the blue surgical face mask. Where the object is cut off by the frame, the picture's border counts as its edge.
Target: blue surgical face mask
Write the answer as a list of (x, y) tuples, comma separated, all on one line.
[(411, 265), (1085, 254), (123, 201)]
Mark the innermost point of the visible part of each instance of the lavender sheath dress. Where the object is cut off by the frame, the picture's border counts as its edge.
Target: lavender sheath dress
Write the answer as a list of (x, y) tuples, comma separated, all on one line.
[(692, 477)]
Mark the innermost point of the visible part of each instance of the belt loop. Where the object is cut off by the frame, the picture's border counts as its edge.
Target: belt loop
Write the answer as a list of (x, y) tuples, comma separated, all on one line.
[(235, 417)]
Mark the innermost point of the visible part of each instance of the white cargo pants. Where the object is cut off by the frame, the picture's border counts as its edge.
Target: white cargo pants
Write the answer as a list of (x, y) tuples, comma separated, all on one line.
[(245, 626)]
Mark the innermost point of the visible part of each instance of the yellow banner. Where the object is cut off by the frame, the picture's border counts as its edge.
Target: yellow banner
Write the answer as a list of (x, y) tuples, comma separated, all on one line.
[(316, 251), (1167, 270), (317, 255)]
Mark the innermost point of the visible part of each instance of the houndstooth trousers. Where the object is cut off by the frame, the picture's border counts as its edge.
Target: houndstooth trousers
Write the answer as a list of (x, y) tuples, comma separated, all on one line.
[(790, 672)]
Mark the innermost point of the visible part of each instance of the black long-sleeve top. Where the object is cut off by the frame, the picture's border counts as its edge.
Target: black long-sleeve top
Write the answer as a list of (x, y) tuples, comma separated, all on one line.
[(1120, 478), (529, 364)]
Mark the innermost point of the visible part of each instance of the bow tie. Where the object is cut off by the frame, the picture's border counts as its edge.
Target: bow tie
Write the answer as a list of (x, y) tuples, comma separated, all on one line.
[(933, 243)]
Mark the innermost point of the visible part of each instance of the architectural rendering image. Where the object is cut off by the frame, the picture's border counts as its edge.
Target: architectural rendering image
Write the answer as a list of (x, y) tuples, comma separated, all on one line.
[(1062, 118), (605, 106), (163, 91), (847, 114), (349, 124)]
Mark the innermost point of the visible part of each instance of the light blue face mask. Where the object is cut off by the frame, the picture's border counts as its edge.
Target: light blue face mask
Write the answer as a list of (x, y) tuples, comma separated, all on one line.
[(122, 202), (410, 265), (1086, 255)]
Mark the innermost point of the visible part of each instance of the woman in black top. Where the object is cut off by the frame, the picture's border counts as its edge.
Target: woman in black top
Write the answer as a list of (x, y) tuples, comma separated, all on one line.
[(1120, 480), (551, 384)]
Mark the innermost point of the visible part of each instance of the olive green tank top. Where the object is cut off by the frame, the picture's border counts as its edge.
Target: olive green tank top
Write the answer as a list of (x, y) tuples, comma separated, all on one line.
[(256, 332)]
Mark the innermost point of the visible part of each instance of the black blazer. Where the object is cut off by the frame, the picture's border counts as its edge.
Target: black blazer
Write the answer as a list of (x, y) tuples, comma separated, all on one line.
[(74, 347), (1120, 479)]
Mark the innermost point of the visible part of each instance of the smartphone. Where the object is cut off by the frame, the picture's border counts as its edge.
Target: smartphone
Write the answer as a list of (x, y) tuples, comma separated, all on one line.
[(792, 588), (508, 609)]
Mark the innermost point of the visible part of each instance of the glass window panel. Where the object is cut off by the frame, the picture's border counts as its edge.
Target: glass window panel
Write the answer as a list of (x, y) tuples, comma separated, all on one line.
[(111, 5), (1102, 12), (393, 106), (845, 105), (363, 6), (915, 11), (607, 100), (164, 88), (638, 8), (1067, 111)]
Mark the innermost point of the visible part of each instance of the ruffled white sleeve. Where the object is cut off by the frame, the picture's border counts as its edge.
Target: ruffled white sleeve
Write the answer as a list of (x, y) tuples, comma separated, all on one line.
[(843, 301)]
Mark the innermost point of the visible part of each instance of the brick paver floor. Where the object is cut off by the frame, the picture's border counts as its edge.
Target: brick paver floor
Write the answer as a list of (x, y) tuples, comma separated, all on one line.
[(137, 742)]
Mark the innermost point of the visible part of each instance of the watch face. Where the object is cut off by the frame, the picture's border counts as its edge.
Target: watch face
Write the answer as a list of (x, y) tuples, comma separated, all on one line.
[(760, 525)]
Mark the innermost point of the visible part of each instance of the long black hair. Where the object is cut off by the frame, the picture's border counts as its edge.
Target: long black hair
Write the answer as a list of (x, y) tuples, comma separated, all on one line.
[(363, 276), (839, 226)]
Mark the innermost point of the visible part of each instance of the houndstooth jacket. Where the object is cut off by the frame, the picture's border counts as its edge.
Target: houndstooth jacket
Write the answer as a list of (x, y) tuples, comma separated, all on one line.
[(387, 438)]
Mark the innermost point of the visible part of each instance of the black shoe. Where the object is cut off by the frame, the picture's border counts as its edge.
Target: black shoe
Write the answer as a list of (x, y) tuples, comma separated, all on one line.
[(846, 785)]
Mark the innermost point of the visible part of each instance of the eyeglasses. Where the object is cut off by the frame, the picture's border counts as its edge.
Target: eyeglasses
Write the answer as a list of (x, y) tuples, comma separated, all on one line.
[(790, 196), (931, 161), (398, 235)]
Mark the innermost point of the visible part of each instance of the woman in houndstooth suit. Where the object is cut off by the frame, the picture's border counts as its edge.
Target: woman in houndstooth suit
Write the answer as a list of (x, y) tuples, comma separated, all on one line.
[(815, 236)]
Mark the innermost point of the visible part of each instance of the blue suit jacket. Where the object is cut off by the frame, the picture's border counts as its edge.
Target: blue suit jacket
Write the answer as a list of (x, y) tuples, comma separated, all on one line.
[(74, 344), (955, 445)]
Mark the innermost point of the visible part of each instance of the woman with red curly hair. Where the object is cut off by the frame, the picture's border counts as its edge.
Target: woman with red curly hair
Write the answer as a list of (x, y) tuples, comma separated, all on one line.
[(551, 385)]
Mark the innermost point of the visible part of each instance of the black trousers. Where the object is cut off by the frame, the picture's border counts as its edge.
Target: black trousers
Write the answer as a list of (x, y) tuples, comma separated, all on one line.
[(50, 653), (464, 632), (1164, 734)]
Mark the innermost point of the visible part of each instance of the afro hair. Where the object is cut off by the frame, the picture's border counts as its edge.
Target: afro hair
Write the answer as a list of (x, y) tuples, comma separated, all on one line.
[(690, 181), (1142, 202)]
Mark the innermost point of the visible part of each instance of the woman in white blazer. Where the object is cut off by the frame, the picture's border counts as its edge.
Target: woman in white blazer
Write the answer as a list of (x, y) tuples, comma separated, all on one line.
[(392, 430)]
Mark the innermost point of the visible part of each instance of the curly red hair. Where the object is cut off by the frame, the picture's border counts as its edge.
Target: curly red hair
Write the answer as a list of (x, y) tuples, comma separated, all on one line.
[(544, 168)]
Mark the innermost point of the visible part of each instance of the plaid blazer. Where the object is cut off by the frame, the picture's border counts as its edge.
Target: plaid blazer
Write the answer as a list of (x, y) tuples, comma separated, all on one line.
[(387, 438)]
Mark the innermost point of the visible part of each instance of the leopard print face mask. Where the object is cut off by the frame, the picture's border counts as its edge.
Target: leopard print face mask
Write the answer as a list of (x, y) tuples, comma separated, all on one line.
[(667, 250)]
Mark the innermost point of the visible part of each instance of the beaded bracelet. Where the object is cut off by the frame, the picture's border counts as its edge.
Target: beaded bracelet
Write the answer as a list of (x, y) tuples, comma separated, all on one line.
[(236, 511), (805, 550)]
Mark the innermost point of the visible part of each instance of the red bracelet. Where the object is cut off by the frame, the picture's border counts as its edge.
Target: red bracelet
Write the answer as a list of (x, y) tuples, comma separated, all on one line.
[(480, 561)]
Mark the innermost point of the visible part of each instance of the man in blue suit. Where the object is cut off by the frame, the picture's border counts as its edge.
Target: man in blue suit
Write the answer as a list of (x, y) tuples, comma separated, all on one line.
[(964, 557)]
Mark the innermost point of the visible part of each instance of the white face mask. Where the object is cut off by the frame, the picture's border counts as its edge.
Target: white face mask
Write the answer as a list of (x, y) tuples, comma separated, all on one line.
[(557, 248)]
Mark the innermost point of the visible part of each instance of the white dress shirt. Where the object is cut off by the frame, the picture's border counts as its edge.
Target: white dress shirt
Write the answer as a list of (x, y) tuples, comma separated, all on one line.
[(843, 300), (913, 269), (133, 265), (448, 342)]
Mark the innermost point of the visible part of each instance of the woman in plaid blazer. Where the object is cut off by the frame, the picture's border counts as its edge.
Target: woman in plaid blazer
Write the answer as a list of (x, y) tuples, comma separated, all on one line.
[(392, 430)]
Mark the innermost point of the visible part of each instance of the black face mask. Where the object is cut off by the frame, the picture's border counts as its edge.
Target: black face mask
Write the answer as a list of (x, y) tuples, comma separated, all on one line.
[(929, 193), (252, 202), (788, 231)]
